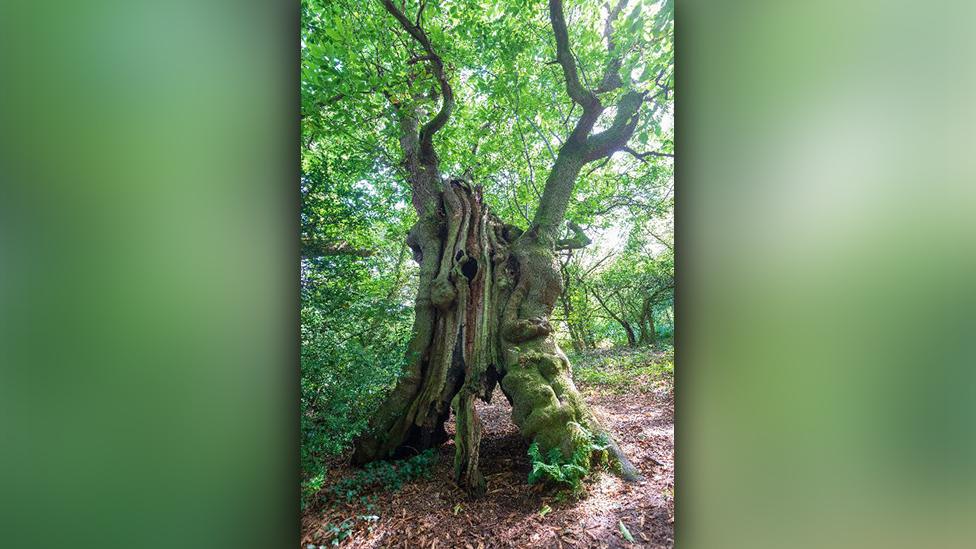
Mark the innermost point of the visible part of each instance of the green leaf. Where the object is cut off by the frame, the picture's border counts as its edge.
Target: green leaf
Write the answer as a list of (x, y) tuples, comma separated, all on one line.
[(625, 532)]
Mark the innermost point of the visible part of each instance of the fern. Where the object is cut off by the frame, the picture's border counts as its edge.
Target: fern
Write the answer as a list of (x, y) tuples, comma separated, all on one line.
[(555, 469)]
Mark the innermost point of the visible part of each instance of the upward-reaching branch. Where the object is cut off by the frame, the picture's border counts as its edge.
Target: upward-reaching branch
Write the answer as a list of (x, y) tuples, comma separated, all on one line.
[(437, 68), (580, 147), (418, 144), (564, 55)]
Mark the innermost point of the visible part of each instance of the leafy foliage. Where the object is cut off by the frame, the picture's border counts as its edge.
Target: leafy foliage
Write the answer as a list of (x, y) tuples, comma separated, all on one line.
[(355, 315), (512, 107), (386, 475), (623, 295)]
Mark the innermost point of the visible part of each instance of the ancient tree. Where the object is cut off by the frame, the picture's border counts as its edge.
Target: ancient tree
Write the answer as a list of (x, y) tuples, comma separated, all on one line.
[(487, 288)]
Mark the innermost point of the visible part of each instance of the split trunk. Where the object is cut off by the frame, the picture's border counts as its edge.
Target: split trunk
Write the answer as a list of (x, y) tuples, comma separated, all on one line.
[(486, 292)]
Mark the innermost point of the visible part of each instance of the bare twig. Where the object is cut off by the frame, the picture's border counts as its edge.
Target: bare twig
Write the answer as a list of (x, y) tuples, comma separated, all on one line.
[(644, 155)]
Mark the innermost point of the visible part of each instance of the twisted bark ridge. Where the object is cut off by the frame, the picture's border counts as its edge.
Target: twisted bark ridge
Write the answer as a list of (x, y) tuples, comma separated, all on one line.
[(487, 289)]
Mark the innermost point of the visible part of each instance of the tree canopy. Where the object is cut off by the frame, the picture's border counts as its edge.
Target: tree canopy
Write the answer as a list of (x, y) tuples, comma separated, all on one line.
[(511, 109)]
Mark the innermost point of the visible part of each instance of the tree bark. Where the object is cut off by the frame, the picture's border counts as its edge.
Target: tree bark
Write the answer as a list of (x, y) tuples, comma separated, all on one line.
[(485, 297)]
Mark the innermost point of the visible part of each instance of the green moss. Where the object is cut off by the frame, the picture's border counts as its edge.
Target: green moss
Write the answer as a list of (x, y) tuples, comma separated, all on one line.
[(529, 392), (549, 366)]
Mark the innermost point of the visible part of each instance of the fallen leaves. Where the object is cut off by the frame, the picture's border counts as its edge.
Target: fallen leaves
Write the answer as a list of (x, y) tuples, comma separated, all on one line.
[(435, 514)]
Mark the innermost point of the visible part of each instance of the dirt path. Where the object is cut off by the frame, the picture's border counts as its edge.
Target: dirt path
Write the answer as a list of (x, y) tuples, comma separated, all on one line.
[(435, 513)]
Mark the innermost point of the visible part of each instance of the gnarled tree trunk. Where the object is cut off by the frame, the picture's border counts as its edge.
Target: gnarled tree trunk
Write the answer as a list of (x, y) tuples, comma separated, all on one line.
[(486, 289), (485, 296)]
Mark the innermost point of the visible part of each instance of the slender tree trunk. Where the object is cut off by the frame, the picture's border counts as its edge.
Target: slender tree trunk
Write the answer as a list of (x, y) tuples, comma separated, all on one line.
[(647, 331), (652, 330), (579, 344), (574, 336), (588, 322), (631, 336), (628, 329)]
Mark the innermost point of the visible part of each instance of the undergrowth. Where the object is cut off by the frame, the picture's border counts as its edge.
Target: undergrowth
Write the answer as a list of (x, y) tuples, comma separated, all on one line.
[(626, 370), (567, 474), (382, 475), (385, 475)]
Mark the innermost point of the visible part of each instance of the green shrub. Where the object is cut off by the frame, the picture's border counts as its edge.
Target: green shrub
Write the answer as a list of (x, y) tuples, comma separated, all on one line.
[(342, 383)]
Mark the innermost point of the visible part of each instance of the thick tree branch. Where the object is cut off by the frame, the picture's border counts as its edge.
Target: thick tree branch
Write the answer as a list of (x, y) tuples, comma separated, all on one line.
[(437, 68), (616, 136), (642, 156), (564, 55), (581, 148), (571, 157)]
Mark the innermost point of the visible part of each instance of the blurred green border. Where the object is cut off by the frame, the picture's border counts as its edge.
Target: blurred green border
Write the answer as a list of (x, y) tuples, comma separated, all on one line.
[(148, 281)]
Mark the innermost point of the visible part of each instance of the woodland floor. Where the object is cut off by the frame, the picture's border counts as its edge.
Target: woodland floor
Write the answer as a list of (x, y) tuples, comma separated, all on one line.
[(434, 512)]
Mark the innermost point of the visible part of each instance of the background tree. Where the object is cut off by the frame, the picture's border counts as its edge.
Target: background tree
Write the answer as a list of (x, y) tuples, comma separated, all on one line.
[(635, 287)]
